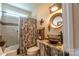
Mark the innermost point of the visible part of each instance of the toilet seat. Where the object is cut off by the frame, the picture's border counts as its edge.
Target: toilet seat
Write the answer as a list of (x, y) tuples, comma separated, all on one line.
[(33, 49)]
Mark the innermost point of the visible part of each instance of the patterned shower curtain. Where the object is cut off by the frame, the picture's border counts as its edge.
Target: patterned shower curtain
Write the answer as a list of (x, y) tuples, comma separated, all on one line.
[(28, 34)]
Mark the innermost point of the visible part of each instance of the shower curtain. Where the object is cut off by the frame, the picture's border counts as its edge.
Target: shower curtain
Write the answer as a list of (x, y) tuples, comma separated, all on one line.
[(28, 34)]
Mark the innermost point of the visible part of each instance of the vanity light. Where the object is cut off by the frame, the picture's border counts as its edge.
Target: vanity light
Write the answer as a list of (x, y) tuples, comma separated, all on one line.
[(55, 7)]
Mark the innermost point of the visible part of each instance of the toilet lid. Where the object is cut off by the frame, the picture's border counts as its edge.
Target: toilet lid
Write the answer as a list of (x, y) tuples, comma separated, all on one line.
[(33, 49)]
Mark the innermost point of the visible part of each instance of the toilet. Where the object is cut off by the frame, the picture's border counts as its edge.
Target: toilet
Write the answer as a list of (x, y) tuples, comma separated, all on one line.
[(33, 51)]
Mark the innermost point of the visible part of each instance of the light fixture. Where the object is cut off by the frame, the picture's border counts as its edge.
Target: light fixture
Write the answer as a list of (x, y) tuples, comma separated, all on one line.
[(55, 7)]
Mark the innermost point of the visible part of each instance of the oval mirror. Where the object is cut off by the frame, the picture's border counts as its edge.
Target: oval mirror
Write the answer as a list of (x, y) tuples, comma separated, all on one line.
[(56, 20)]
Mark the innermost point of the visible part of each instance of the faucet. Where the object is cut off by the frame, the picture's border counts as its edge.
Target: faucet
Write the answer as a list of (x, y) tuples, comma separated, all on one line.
[(60, 35)]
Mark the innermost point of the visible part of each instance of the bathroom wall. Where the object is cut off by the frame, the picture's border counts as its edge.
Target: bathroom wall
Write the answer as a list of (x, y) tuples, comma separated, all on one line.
[(76, 23), (43, 12), (76, 27), (71, 28)]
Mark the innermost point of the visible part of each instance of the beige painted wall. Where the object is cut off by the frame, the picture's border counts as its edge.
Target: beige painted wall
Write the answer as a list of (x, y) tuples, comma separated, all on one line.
[(71, 28), (43, 12), (76, 25), (75, 15)]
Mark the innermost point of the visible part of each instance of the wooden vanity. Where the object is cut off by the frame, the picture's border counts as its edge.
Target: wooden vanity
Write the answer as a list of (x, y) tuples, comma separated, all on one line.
[(48, 49)]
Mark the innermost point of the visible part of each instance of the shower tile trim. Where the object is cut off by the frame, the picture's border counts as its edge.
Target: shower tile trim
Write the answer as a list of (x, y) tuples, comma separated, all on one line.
[(10, 24)]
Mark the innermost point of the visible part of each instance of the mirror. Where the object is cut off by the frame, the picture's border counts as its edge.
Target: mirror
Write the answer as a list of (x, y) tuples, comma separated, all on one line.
[(56, 20)]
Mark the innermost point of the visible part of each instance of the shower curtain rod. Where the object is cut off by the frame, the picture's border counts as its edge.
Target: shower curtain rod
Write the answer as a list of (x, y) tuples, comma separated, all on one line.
[(10, 13)]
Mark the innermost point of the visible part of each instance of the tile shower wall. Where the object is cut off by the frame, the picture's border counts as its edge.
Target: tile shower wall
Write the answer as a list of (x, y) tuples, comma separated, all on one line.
[(0, 16), (28, 34), (10, 35), (8, 27), (10, 30), (10, 23), (0, 29)]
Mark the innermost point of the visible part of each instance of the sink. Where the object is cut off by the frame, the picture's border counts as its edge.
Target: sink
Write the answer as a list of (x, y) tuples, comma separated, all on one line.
[(53, 40)]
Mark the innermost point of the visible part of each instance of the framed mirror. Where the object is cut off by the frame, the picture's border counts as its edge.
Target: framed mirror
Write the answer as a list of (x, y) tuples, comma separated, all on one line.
[(56, 20)]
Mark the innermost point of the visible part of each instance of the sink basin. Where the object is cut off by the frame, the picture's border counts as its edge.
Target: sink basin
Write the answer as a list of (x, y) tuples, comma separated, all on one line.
[(53, 40)]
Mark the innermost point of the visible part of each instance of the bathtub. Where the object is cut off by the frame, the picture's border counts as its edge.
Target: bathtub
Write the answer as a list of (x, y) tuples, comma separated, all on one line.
[(10, 51)]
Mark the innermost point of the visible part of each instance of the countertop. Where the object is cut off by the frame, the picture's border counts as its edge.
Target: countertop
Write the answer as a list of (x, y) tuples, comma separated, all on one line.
[(46, 42)]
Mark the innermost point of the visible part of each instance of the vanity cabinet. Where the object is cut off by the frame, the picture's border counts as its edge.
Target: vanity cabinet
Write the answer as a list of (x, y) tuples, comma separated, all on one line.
[(47, 49)]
